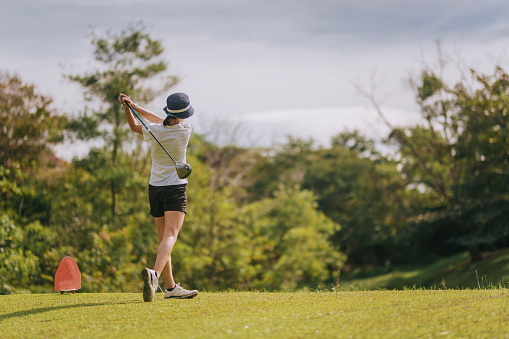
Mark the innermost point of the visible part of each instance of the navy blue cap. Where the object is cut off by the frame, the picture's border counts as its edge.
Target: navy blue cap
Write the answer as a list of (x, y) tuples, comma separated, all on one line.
[(179, 105)]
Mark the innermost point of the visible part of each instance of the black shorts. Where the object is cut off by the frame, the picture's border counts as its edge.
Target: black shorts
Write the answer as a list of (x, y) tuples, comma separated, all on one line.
[(167, 198)]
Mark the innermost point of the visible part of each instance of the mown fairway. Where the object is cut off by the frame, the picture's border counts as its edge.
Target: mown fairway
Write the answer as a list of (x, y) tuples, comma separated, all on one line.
[(394, 314)]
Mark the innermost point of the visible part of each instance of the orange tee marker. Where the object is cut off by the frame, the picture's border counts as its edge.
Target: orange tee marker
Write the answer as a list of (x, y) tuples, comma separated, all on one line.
[(68, 276)]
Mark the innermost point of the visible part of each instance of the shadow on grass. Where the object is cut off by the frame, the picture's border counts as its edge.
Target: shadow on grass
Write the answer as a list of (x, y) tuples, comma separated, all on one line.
[(54, 308)]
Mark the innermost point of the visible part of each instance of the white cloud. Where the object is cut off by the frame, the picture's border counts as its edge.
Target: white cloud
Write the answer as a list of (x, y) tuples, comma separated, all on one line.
[(321, 124), (249, 59)]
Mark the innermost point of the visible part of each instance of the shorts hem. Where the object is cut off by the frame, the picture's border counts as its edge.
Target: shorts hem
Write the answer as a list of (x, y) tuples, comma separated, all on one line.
[(163, 199)]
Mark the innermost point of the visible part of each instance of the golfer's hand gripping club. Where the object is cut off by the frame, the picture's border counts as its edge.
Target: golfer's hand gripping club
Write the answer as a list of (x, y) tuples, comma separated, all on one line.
[(183, 170)]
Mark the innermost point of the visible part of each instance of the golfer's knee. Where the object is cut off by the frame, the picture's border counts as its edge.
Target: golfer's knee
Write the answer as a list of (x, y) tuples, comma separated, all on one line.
[(170, 234)]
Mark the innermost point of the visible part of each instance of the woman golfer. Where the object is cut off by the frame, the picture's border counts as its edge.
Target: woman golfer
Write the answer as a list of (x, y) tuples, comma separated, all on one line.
[(167, 192)]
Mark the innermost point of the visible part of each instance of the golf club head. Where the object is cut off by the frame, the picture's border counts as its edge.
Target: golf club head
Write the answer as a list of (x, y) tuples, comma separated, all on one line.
[(183, 170)]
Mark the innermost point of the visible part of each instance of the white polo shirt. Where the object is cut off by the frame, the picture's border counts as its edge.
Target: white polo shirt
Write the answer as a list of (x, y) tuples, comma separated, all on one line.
[(174, 139)]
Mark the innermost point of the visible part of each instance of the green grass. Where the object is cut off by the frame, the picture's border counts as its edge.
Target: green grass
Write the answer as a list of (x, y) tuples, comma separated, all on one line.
[(366, 305), (453, 272), (369, 314)]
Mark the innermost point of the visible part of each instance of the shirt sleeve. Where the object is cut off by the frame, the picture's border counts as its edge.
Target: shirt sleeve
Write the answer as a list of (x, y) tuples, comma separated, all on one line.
[(146, 134)]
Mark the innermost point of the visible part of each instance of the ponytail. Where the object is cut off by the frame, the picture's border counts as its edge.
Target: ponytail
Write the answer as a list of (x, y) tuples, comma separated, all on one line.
[(166, 121)]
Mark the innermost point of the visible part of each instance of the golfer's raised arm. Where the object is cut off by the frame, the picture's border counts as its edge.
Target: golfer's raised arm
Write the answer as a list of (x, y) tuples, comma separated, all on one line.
[(133, 124), (150, 116)]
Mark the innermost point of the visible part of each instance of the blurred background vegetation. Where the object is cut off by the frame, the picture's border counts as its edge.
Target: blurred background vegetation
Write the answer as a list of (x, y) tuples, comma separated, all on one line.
[(290, 217)]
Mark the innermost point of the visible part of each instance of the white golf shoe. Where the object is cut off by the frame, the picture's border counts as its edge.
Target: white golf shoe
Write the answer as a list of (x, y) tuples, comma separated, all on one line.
[(150, 284), (180, 293)]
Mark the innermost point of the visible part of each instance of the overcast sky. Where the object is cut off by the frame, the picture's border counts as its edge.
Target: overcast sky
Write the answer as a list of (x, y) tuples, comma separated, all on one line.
[(278, 66)]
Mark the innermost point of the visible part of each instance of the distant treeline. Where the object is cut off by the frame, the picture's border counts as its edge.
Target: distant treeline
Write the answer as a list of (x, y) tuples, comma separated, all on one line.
[(282, 218)]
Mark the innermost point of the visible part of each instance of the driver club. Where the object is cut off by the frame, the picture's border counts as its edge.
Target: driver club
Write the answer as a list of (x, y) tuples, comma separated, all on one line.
[(183, 170)]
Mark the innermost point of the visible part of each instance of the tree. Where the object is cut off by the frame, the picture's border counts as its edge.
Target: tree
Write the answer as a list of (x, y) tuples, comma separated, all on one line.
[(355, 186), (27, 166), (209, 253), (363, 191), (286, 164), (30, 127), (289, 242), (460, 159), (125, 62), (28, 124), (481, 156), (16, 264)]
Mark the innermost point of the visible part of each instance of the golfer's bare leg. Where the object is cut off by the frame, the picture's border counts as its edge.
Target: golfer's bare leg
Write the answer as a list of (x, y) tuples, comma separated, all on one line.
[(167, 272), (172, 224)]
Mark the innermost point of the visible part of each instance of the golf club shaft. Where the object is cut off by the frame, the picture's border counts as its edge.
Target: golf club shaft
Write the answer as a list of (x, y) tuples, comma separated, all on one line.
[(153, 136)]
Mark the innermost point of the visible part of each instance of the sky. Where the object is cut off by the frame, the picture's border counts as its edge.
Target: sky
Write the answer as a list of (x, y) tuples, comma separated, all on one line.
[(258, 71)]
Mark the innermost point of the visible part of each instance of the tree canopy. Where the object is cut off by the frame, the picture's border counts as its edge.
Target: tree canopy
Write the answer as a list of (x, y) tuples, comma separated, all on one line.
[(288, 217)]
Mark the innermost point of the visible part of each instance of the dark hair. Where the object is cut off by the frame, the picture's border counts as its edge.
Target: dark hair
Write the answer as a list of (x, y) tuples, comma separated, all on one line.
[(166, 121)]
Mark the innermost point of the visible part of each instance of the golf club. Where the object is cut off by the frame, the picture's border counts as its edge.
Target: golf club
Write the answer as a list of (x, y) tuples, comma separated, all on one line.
[(183, 170)]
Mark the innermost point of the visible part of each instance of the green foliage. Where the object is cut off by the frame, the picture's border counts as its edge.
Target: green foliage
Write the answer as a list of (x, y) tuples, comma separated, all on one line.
[(430, 85), (460, 158), (26, 163), (355, 186), (364, 193), (27, 122), (17, 265), (258, 219), (125, 63), (29, 128), (10, 189), (64, 211), (209, 251), (483, 151), (110, 252), (289, 244)]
